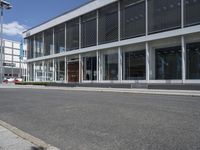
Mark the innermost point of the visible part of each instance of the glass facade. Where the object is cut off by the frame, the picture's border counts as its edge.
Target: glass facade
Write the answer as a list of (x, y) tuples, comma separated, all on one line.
[(193, 60), (108, 23), (168, 63), (110, 66), (134, 65), (89, 68), (60, 69), (30, 47), (89, 29), (72, 34), (133, 18), (48, 67), (48, 42), (39, 72), (163, 15), (192, 12), (39, 45), (59, 38)]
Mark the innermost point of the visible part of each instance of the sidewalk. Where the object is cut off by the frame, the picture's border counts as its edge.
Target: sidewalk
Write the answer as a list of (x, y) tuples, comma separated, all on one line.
[(121, 90), (10, 141), (12, 138)]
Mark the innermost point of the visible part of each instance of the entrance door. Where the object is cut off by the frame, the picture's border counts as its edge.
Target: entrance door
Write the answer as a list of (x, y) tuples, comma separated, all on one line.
[(73, 71)]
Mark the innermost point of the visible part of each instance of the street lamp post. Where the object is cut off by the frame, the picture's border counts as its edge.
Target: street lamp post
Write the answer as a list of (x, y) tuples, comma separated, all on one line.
[(3, 5)]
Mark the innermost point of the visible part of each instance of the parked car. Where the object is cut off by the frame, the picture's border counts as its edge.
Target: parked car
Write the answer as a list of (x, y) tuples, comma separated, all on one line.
[(17, 80), (8, 80)]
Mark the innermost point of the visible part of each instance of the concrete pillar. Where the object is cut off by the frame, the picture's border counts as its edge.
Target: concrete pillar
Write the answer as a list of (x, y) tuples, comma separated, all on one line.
[(183, 59), (66, 78), (147, 63), (119, 64)]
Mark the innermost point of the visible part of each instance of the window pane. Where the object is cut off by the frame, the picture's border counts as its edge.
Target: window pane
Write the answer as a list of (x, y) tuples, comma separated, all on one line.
[(39, 45), (192, 12), (89, 30), (193, 61), (108, 23), (164, 15), (49, 70), (135, 65), (59, 38), (72, 35), (60, 69), (30, 47), (48, 42), (110, 66), (133, 18), (168, 63), (89, 68)]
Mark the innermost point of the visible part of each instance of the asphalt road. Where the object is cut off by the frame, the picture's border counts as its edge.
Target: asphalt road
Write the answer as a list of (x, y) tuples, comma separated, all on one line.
[(73, 120)]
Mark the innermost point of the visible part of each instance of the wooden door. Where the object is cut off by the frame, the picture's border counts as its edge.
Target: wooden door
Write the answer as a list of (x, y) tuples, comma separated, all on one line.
[(73, 71)]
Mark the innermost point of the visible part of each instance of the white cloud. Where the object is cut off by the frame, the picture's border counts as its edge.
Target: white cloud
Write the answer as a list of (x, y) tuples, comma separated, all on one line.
[(14, 28)]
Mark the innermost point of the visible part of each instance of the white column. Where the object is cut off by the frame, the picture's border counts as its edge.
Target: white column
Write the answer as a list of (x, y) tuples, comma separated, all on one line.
[(43, 72), (80, 68), (119, 64), (66, 70), (183, 59), (34, 72), (97, 55), (54, 79), (147, 62)]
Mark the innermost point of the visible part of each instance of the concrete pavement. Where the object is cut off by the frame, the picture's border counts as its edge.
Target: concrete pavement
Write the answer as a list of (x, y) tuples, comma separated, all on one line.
[(89, 120), (10, 141)]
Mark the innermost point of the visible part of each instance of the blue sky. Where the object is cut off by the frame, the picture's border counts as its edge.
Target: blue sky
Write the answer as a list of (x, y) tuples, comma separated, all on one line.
[(29, 13)]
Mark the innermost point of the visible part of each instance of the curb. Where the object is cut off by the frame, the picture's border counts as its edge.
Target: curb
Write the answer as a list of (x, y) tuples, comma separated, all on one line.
[(27, 137)]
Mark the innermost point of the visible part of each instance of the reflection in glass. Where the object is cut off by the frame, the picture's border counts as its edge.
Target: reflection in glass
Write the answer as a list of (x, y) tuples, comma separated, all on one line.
[(89, 29), (110, 66), (193, 60), (108, 23), (48, 42), (132, 18), (168, 63), (60, 69), (59, 38), (49, 70), (72, 34), (135, 65), (164, 15), (89, 68), (39, 45)]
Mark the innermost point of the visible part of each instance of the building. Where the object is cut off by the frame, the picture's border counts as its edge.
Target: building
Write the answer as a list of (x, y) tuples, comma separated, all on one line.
[(118, 41), (13, 65)]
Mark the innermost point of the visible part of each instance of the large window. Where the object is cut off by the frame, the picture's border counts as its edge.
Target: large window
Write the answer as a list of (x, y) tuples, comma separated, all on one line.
[(110, 66), (60, 69), (72, 34), (134, 65), (39, 72), (48, 42), (193, 60), (192, 12), (89, 68), (30, 46), (48, 67), (39, 45), (132, 18), (164, 15), (89, 29), (108, 23), (59, 38), (168, 63)]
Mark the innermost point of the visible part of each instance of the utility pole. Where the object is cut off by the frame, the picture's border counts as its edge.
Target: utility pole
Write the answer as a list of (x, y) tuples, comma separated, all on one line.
[(3, 5)]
